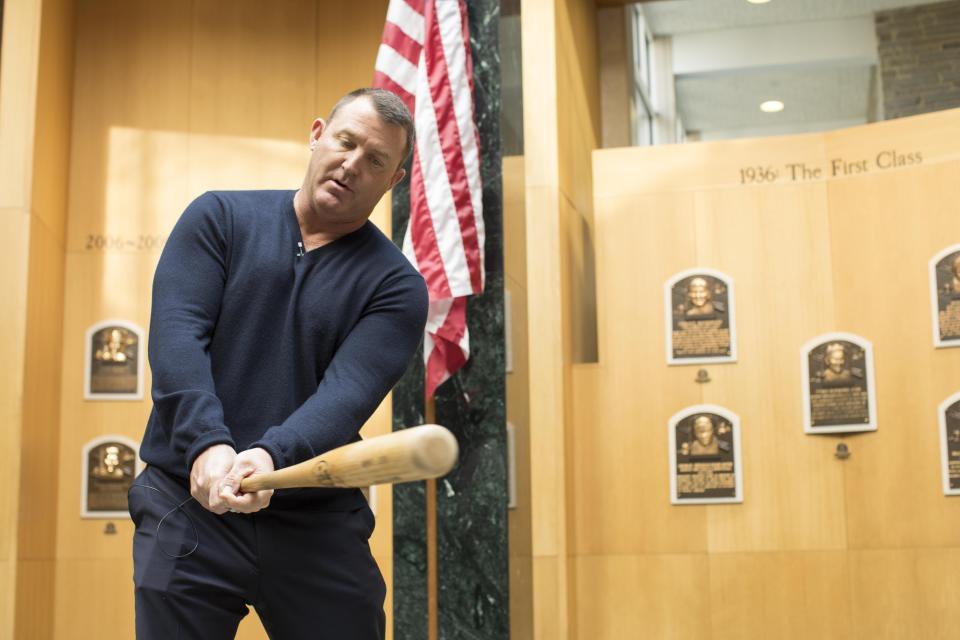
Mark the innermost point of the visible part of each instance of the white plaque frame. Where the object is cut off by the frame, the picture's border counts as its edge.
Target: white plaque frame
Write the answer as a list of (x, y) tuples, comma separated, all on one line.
[(867, 347), (511, 466), (939, 342), (508, 330), (139, 466), (730, 417), (668, 316), (88, 394), (944, 459)]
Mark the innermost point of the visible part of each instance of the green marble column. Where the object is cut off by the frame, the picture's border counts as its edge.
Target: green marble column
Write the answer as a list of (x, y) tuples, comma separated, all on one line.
[(472, 499)]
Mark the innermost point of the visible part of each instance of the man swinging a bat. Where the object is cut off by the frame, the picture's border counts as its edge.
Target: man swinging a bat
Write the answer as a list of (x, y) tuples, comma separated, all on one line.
[(280, 320)]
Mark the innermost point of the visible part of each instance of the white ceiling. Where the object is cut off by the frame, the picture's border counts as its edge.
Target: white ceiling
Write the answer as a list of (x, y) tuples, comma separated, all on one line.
[(668, 17), (821, 90), (727, 103)]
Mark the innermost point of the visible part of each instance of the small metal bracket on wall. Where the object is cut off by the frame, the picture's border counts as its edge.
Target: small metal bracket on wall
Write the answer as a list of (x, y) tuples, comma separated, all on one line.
[(702, 376), (842, 452)]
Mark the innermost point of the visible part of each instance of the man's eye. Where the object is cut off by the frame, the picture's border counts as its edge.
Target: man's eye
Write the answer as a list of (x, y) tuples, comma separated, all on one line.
[(377, 163)]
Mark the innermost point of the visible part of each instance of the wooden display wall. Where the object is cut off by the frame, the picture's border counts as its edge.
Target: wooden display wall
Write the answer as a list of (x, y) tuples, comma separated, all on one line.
[(832, 233), (172, 99)]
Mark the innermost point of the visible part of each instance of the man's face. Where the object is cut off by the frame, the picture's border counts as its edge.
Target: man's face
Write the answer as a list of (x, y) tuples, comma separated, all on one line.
[(698, 292), (703, 430), (836, 361), (355, 160)]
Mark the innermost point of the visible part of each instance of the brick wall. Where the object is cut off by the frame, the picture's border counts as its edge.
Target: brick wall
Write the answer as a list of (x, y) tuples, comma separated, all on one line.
[(919, 50)]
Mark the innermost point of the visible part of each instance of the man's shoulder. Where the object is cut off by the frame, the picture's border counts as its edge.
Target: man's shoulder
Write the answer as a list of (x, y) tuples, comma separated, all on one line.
[(250, 198), (390, 253)]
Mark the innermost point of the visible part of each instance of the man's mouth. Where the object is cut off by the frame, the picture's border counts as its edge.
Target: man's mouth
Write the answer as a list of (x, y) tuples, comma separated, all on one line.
[(340, 184)]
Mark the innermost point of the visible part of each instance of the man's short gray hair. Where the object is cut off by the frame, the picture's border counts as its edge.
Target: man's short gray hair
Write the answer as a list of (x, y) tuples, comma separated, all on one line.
[(389, 107)]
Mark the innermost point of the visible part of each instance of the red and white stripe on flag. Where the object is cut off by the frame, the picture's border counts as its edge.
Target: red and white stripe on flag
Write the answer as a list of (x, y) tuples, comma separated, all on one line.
[(424, 58)]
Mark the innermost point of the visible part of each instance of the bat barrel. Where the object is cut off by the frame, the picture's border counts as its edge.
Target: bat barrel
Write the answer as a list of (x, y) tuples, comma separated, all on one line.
[(417, 453)]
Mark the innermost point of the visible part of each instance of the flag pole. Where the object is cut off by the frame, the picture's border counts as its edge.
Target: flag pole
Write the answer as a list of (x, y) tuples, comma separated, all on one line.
[(430, 413)]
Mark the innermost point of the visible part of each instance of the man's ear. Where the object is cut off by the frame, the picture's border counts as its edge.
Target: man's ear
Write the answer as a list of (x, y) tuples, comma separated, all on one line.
[(397, 177), (316, 130)]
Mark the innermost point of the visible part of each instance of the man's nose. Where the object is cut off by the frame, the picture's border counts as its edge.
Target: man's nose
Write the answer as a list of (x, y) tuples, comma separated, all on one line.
[(351, 162)]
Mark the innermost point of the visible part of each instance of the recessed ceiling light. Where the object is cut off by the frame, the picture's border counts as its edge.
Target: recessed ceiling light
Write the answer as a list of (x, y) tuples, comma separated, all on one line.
[(771, 106), (758, 1)]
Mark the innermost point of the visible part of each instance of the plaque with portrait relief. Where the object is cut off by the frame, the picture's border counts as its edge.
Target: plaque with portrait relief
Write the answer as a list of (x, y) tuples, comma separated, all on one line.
[(114, 361), (110, 463), (705, 456), (950, 444), (839, 394), (699, 317), (945, 297)]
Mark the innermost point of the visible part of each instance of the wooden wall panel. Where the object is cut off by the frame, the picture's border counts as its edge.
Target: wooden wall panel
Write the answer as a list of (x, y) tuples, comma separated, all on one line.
[(39, 449), (770, 241), (621, 471), (820, 547), (15, 227), (35, 139), (789, 596), (51, 155), (884, 229), (518, 390), (646, 596), (578, 100), (252, 86), (98, 287), (905, 593), (18, 92), (345, 56), (128, 166), (620, 420), (36, 586), (94, 597), (578, 134)]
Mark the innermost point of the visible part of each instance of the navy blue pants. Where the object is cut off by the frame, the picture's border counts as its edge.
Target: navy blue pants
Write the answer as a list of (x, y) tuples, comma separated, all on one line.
[(308, 574)]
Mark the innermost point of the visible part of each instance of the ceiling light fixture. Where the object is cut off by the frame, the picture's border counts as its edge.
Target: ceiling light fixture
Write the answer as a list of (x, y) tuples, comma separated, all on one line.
[(758, 1), (771, 106)]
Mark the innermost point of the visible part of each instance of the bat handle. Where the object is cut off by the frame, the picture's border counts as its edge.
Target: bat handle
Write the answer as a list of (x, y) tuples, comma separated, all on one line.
[(253, 483)]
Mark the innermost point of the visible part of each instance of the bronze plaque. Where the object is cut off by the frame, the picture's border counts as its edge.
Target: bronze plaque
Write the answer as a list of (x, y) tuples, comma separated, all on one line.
[(950, 444), (110, 465), (838, 384), (700, 319), (113, 362), (705, 456), (945, 287)]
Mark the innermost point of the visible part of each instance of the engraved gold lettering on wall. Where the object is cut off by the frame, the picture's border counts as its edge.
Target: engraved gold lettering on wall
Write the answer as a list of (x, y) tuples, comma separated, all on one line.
[(109, 242), (840, 167)]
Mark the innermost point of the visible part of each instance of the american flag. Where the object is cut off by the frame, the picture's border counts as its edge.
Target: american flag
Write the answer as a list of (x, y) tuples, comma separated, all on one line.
[(424, 58)]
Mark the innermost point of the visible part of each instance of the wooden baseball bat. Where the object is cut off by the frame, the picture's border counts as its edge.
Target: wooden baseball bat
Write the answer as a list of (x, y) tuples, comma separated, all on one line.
[(417, 453)]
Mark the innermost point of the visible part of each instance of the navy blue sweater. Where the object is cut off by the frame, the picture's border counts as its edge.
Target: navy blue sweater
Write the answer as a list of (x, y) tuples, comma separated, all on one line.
[(252, 345)]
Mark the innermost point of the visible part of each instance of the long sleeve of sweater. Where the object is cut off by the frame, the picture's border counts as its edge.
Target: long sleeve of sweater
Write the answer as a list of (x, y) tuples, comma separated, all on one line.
[(187, 289)]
